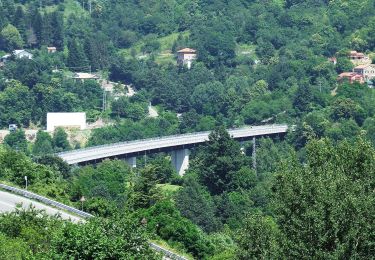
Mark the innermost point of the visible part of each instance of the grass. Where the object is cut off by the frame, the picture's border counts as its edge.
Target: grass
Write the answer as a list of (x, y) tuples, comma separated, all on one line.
[(164, 55), (71, 7)]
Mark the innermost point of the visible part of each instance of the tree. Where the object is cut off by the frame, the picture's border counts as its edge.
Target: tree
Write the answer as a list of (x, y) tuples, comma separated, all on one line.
[(16, 104), (60, 140), (303, 98), (259, 238), (10, 38), (17, 140), (324, 208), (219, 162), (196, 204), (43, 144), (76, 58), (145, 192), (57, 24)]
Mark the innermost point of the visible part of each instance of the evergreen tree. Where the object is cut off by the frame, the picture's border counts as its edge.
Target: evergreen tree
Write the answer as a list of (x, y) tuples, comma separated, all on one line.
[(219, 162), (37, 25), (47, 30), (19, 21), (60, 140), (43, 144), (57, 24), (76, 58)]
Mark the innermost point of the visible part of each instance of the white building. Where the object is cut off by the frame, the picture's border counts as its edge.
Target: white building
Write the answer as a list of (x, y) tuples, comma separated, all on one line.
[(186, 56), (19, 54), (367, 71), (85, 76), (69, 120)]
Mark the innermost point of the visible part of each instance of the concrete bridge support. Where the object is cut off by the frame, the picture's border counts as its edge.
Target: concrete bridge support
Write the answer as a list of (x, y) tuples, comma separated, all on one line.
[(180, 160), (132, 161)]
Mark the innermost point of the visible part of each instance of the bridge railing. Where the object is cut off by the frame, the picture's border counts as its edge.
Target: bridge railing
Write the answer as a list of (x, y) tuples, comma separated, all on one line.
[(45, 200), (113, 145)]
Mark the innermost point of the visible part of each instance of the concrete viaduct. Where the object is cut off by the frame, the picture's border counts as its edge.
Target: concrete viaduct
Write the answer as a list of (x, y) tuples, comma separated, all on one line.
[(178, 145)]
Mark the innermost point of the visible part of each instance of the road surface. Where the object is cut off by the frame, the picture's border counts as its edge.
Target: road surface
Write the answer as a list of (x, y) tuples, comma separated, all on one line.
[(9, 201)]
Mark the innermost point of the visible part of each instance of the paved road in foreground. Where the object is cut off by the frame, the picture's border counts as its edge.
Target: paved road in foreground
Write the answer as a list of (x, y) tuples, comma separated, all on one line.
[(9, 201)]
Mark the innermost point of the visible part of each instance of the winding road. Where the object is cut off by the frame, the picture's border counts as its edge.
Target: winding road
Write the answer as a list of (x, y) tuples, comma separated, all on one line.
[(8, 203)]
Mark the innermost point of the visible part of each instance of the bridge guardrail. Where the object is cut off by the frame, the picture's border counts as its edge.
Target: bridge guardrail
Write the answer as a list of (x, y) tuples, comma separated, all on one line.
[(45, 200), (161, 137)]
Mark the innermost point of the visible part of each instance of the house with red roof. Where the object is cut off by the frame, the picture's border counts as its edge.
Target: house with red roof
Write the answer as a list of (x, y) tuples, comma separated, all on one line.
[(351, 77), (358, 58)]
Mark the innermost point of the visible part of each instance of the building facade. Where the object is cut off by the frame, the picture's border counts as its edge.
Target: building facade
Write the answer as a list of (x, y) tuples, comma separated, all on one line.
[(367, 71), (186, 56)]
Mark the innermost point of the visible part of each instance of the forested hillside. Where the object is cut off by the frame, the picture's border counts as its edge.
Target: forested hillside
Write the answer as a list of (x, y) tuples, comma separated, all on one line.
[(257, 62)]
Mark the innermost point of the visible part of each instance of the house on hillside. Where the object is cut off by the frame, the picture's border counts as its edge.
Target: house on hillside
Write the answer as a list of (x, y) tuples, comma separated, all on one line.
[(351, 77), (51, 49), (21, 54), (359, 58), (18, 54), (367, 71), (84, 76), (186, 56)]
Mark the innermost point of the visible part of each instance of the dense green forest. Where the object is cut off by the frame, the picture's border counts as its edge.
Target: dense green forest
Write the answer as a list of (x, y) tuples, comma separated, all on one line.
[(258, 62)]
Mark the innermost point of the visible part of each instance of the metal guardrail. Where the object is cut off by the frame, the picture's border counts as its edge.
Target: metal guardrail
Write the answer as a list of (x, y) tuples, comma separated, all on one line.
[(166, 252), (80, 213), (44, 200)]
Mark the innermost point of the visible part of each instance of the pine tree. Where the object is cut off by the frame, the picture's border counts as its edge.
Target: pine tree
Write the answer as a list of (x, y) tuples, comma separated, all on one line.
[(60, 140), (47, 30), (57, 24), (19, 21), (37, 24), (76, 59)]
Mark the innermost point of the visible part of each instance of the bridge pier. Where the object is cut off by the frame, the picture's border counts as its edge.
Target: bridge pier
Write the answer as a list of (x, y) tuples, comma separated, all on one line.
[(180, 160), (254, 155), (132, 161)]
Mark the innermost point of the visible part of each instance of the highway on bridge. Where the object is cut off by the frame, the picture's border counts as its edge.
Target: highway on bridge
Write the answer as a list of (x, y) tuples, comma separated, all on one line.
[(168, 143), (8, 203)]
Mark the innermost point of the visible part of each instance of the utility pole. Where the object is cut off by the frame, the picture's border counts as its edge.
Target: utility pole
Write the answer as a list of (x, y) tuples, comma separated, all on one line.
[(104, 100), (254, 155)]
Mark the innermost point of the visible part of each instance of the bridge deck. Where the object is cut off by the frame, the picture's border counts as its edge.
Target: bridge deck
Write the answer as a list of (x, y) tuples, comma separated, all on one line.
[(139, 146)]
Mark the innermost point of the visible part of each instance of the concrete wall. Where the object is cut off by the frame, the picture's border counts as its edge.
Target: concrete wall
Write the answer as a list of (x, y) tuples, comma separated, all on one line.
[(65, 120)]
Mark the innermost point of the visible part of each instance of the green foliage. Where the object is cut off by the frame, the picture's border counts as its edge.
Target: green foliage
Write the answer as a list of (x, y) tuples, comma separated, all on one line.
[(259, 238), (196, 204), (10, 38), (108, 180), (323, 207), (164, 220), (43, 144), (219, 162), (60, 140), (115, 238), (145, 191), (16, 140)]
